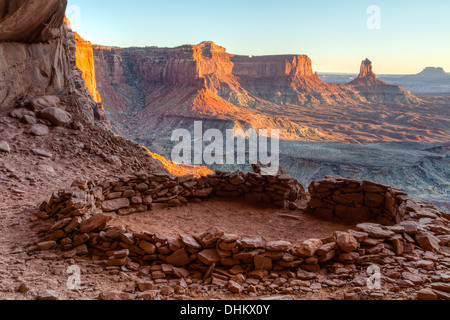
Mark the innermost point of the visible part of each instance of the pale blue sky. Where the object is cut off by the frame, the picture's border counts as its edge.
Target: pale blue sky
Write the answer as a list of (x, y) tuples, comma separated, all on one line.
[(414, 34)]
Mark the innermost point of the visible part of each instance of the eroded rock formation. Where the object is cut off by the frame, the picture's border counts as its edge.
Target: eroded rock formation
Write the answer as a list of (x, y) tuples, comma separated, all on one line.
[(85, 62), (148, 91), (33, 49), (375, 90)]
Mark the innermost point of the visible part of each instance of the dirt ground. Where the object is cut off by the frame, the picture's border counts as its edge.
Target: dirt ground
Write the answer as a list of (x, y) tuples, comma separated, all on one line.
[(234, 216)]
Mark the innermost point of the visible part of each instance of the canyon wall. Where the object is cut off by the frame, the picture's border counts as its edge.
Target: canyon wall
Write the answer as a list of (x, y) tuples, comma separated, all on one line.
[(34, 57), (139, 85), (85, 62)]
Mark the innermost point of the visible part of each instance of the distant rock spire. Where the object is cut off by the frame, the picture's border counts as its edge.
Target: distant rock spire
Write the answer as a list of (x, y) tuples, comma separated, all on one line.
[(366, 75), (366, 69)]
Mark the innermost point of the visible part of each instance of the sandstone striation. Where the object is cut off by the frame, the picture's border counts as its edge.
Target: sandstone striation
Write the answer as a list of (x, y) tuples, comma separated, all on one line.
[(150, 91)]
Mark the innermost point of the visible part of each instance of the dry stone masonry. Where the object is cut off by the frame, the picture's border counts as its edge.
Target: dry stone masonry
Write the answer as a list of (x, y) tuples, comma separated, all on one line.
[(355, 200), (77, 222)]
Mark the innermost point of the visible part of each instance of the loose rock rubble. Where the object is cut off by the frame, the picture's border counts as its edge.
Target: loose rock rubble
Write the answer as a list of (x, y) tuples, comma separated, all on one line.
[(412, 255)]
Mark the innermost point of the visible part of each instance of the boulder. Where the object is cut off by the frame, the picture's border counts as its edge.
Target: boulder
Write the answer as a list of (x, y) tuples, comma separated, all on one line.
[(309, 247), (375, 230), (209, 238), (56, 116), (115, 204), (179, 258), (428, 242), (41, 103), (4, 147), (38, 130), (346, 242), (209, 256), (93, 223)]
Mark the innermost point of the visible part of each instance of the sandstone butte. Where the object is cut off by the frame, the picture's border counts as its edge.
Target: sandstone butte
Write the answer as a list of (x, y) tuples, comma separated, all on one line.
[(170, 85)]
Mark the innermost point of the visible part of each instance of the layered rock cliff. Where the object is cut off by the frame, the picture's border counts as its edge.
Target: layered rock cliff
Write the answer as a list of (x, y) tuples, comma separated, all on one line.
[(33, 42), (150, 91), (85, 62)]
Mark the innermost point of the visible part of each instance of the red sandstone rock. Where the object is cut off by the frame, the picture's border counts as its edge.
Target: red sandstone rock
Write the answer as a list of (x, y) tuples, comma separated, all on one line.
[(375, 230), (309, 247), (346, 242), (208, 256), (428, 242), (115, 204), (93, 223), (56, 116), (179, 258)]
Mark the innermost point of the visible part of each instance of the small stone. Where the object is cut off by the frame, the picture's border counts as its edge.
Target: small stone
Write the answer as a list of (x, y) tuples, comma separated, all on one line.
[(253, 242), (41, 103), (113, 262), (326, 248), (93, 223), (56, 116), (167, 291), (42, 153), (442, 295), (115, 204), (209, 256), (426, 294), (145, 286), (47, 245), (278, 245), (351, 296), (190, 242), (309, 247), (414, 278), (346, 242), (148, 295), (147, 247), (209, 238), (5, 147), (179, 258), (258, 274), (375, 230), (23, 288), (398, 246), (428, 242), (262, 263), (359, 236), (445, 287), (121, 254), (38, 130), (235, 287), (48, 295)]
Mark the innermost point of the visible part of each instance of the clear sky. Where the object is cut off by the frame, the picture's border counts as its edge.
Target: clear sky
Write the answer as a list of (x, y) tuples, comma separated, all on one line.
[(412, 34)]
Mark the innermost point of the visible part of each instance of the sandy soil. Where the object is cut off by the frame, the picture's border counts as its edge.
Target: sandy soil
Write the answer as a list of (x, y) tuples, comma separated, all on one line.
[(235, 217)]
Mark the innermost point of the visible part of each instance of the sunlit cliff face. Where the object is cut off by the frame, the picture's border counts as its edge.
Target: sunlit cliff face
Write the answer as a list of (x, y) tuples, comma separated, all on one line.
[(85, 62), (180, 169)]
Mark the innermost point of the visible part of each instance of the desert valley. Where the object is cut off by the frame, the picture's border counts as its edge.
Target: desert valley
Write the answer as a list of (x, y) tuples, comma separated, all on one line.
[(93, 207)]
